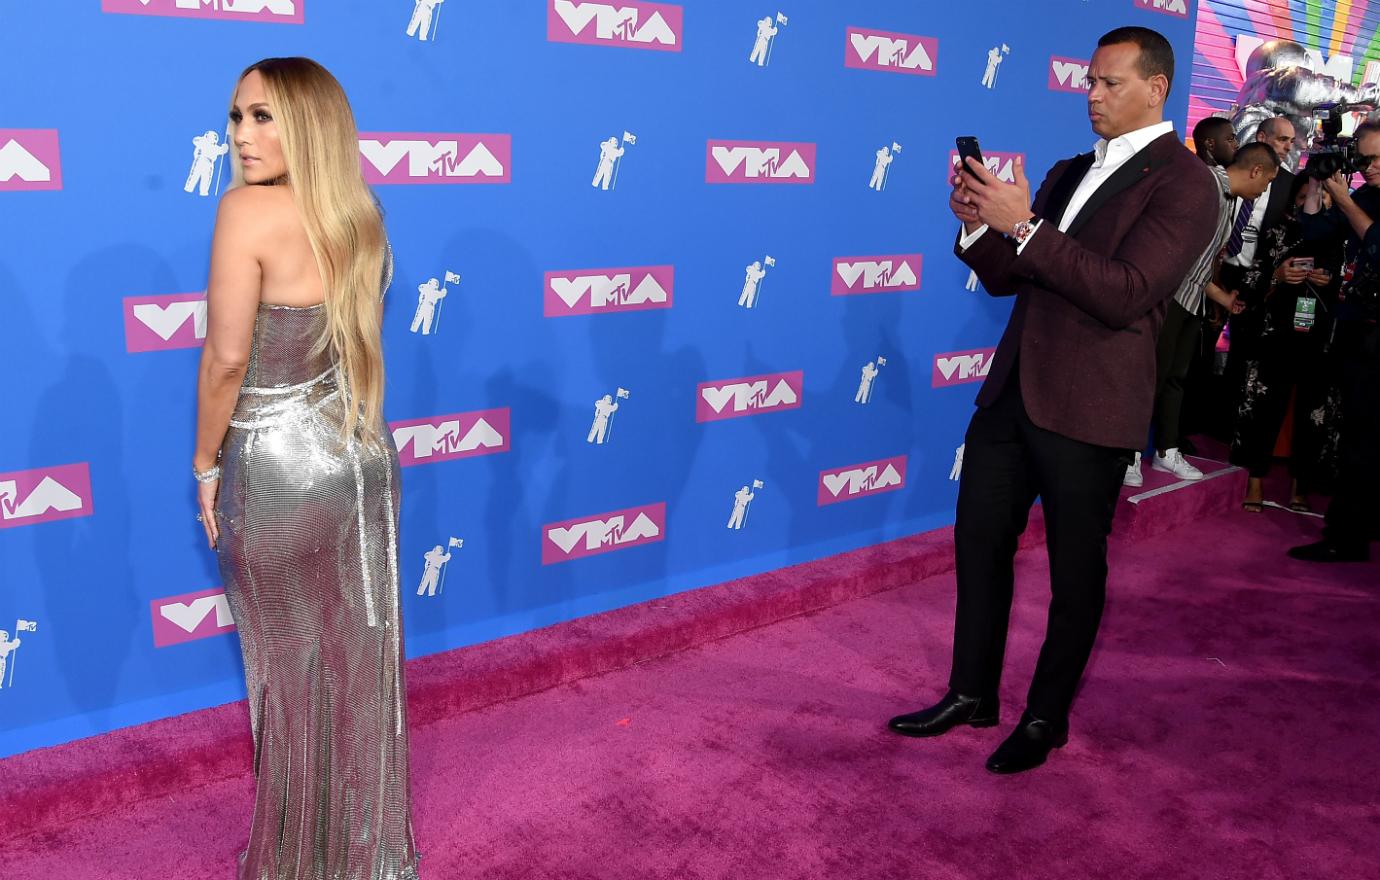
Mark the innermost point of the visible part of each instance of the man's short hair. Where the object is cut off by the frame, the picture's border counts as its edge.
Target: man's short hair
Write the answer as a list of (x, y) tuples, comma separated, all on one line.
[(1271, 125), (1156, 55), (1368, 127), (1210, 128), (1256, 153)]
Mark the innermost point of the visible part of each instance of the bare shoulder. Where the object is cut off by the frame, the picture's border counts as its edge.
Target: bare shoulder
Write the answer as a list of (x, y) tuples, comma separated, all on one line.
[(250, 209)]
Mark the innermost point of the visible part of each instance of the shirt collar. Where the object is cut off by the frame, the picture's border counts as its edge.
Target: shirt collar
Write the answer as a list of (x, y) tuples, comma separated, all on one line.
[(1130, 143)]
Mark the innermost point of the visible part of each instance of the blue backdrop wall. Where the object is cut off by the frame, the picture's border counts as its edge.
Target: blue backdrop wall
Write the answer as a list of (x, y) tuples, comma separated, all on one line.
[(491, 142)]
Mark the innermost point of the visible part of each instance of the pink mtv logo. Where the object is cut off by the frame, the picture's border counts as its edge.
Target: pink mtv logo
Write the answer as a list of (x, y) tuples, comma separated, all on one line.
[(603, 533), (45, 494), (1068, 75), (959, 367), (1178, 8), (598, 291), (460, 435), (282, 11), (189, 617), (861, 480), (156, 323), (431, 158), (759, 162), (1003, 165), (633, 25), (29, 159), (748, 396), (869, 49), (886, 273)]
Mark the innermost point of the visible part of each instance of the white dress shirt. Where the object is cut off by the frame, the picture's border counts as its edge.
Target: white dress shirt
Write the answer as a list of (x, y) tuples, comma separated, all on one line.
[(1251, 233), (1108, 157)]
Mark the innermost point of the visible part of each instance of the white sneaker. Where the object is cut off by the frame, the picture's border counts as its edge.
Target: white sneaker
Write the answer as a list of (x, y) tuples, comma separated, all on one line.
[(1173, 462), (1133, 477)]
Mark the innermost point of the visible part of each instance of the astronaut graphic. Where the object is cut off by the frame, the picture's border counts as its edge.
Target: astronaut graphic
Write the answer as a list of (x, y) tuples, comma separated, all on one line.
[(434, 572), (869, 372), (765, 31), (609, 152), (604, 408), (423, 13), (7, 647), (995, 55), (957, 470), (741, 499), (208, 149), (879, 170), (972, 282), (755, 273), (429, 295)]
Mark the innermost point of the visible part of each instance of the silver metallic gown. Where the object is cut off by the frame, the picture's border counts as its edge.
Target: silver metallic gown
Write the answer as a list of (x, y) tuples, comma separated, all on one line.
[(309, 557)]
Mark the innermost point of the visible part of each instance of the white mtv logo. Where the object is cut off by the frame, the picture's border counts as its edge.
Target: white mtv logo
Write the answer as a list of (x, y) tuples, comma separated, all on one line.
[(189, 617), (877, 273), (891, 53), (424, 158), (760, 162), (1071, 74), (615, 22), (167, 320), (598, 533), (1170, 6), (277, 7), (750, 395), (966, 366), (606, 290), (445, 438), (861, 480), (17, 161), (47, 495)]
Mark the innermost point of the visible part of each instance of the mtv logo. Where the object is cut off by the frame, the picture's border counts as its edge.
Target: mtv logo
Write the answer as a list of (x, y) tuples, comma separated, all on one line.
[(861, 480), (444, 438), (959, 367), (748, 396), (1168, 7), (29, 159), (759, 162), (45, 494), (886, 273), (603, 533), (191, 616), (633, 25), (157, 323), (600, 291), (281, 11), (1003, 165), (868, 49), (1068, 75), (433, 158)]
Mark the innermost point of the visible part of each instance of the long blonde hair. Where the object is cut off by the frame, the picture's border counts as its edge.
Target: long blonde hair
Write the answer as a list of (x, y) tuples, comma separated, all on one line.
[(320, 144)]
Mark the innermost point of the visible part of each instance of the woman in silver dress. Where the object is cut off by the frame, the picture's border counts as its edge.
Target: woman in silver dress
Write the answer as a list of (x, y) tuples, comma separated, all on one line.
[(299, 484)]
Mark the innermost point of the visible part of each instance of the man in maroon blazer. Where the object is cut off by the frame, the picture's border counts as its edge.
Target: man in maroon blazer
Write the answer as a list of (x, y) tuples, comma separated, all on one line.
[(1093, 265)]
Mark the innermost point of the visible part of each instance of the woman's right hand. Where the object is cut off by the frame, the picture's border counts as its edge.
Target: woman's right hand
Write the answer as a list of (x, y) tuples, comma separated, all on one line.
[(1287, 273)]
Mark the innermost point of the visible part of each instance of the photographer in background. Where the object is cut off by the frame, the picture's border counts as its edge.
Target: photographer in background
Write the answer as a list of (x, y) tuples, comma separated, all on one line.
[(1352, 517)]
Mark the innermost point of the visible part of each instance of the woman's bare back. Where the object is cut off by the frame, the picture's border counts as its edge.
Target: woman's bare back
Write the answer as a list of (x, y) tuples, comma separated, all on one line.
[(290, 276)]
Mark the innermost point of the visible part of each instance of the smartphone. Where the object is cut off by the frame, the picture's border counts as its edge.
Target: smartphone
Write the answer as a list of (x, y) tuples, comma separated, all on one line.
[(968, 146), (1304, 263)]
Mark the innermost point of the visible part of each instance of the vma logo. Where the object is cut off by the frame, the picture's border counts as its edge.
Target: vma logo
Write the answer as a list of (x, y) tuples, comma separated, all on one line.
[(1003, 165), (283, 11), (1068, 75), (759, 162), (460, 435), (191, 616), (1178, 8), (959, 367), (889, 273), (600, 291), (29, 159), (156, 323), (436, 158), (882, 50), (37, 496), (749, 396), (604, 533), (861, 480), (658, 26)]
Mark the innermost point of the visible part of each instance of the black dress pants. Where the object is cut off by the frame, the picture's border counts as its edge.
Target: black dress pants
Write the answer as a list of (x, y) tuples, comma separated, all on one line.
[(1352, 518), (1174, 353), (1007, 462)]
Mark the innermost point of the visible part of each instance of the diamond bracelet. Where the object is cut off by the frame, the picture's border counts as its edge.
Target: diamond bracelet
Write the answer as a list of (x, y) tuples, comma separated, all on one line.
[(210, 475)]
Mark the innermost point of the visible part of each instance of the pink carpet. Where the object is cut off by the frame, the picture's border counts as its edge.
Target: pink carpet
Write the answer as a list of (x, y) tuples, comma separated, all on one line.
[(1226, 730)]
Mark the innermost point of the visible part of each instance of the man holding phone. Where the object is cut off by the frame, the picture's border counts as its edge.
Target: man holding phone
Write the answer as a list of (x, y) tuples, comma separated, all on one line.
[(1092, 264)]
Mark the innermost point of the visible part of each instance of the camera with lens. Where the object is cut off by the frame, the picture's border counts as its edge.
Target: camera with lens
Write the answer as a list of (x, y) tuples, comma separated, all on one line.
[(1332, 152)]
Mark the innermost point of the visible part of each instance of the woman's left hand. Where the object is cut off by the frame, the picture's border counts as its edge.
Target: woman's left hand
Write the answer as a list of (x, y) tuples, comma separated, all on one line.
[(206, 499)]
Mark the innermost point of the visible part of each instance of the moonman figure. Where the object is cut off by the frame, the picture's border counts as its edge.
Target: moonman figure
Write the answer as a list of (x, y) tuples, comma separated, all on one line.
[(435, 558), (741, 498), (208, 150), (6, 648), (609, 151), (422, 14), (989, 78), (869, 372), (755, 273), (429, 294), (884, 158), (766, 29), (603, 408)]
